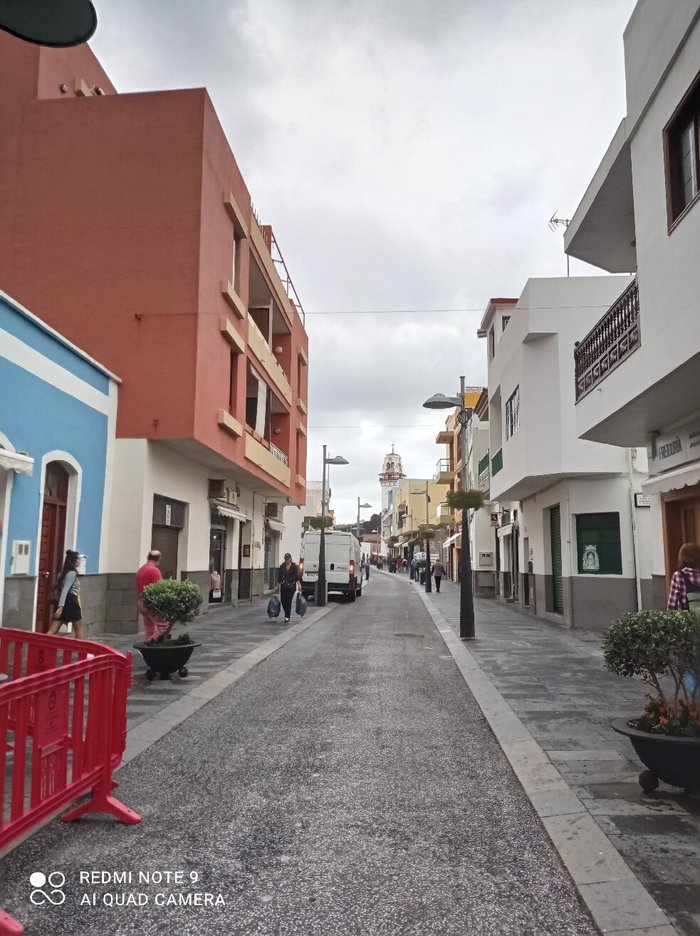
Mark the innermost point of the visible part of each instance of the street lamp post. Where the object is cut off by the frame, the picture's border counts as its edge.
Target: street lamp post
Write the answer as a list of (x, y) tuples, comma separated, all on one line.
[(321, 584), (363, 507), (466, 596)]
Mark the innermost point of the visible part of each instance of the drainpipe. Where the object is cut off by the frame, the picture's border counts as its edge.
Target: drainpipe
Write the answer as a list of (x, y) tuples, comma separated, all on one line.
[(631, 455)]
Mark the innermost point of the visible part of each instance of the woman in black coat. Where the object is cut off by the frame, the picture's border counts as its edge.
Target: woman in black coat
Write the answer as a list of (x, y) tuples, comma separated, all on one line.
[(288, 584)]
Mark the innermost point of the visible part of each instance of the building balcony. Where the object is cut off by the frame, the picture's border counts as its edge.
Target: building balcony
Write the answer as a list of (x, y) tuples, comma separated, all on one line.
[(444, 437), (610, 342), (444, 471), (263, 457), (445, 515), (602, 230), (263, 352)]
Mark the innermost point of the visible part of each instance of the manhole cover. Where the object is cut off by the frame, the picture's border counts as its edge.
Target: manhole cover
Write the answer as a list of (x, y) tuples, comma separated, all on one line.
[(408, 635)]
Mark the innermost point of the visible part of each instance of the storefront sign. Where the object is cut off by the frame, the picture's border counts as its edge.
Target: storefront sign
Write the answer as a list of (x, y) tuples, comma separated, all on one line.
[(642, 500), (676, 448)]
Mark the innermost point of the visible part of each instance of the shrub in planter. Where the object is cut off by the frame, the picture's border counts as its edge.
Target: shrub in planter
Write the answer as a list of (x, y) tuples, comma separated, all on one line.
[(175, 602), (658, 645)]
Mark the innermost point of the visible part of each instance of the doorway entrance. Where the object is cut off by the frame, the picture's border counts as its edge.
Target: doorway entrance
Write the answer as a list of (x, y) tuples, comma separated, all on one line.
[(53, 540), (681, 524)]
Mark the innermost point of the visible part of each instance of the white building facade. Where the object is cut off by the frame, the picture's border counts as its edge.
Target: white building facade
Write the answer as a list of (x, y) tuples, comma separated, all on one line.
[(572, 543), (637, 369)]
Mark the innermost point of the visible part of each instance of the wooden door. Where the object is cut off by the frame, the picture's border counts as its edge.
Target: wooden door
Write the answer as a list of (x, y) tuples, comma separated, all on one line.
[(53, 540), (165, 538)]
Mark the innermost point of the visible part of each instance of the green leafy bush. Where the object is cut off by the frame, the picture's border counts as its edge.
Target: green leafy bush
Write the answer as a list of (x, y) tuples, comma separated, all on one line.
[(173, 601), (655, 645), (319, 523), (466, 500)]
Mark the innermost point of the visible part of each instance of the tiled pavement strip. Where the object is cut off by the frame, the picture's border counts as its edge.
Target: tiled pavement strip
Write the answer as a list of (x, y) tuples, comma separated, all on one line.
[(635, 857)]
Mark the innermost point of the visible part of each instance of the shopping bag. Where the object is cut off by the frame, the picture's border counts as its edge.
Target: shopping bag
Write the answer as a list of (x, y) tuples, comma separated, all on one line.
[(274, 607), (301, 604)]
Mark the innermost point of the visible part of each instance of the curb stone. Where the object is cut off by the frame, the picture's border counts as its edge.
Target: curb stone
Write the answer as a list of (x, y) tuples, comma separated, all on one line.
[(612, 893)]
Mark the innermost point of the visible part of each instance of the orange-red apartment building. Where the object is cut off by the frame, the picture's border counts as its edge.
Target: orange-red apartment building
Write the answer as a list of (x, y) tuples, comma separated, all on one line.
[(127, 226)]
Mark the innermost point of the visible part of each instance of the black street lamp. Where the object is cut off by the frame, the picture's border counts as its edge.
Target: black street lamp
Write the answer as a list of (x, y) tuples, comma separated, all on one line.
[(321, 598), (360, 507), (56, 23), (466, 596)]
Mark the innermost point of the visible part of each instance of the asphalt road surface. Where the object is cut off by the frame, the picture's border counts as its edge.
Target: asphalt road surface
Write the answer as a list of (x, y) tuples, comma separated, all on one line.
[(347, 785)]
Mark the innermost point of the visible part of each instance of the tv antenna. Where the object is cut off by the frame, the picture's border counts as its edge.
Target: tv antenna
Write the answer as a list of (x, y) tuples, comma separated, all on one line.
[(553, 224)]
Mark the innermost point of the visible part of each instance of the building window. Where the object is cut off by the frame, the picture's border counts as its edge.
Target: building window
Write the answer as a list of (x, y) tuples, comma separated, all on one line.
[(492, 343), (598, 544), (682, 146), (504, 322), (513, 412)]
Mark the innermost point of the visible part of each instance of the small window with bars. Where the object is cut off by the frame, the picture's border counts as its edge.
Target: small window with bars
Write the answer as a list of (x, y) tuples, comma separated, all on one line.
[(513, 412)]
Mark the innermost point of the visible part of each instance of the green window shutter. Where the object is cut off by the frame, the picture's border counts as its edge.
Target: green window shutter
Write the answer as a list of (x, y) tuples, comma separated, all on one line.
[(557, 578), (484, 464), (598, 544)]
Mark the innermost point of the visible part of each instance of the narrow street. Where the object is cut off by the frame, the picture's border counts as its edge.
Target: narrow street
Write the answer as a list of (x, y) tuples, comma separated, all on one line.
[(349, 784)]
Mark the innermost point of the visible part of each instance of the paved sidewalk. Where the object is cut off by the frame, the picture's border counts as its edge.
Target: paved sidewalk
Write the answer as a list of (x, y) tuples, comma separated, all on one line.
[(227, 633), (555, 682)]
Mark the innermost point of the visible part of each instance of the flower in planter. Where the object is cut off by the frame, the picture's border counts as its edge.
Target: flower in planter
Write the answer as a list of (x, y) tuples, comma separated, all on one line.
[(472, 499), (657, 646), (175, 602)]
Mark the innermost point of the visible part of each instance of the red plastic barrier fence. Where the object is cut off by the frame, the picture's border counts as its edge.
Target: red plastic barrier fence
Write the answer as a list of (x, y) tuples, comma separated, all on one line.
[(62, 732)]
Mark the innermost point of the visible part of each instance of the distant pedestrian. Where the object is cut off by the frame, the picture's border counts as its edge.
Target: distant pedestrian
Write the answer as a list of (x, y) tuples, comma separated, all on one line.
[(68, 610), (148, 574), (413, 570), (367, 567), (438, 571), (685, 583), (288, 584)]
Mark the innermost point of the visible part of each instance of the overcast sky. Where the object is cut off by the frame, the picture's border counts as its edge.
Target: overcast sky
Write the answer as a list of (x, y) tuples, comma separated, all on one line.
[(408, 154)]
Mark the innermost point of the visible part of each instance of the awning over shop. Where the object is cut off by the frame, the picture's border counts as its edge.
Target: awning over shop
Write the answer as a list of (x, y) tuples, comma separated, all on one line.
[(453, 539), (226, 510), (13, 461), (275, 525), (687, 476)]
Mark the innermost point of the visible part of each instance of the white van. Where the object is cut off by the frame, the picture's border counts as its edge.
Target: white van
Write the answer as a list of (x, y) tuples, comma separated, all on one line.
[(344, 572)]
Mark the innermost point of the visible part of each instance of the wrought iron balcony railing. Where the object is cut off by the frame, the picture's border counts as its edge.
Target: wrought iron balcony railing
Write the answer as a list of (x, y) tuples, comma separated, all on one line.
[(608, 343)]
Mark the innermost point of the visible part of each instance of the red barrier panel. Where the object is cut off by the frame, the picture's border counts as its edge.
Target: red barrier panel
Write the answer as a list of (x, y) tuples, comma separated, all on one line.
[(62, 732)]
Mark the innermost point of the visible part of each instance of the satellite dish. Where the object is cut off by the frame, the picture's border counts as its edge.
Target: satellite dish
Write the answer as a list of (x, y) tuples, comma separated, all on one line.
[(49, 22)]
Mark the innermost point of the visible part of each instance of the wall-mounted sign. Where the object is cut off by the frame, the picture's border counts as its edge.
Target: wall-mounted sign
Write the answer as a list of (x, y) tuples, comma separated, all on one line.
[(676, 448), (168, 514), (495, 520), (642, 500), (486, 558)]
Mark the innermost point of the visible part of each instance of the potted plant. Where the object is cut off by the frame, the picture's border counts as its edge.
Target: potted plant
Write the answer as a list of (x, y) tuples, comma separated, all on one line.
[(473, 499), (177, 603), (663, 648)]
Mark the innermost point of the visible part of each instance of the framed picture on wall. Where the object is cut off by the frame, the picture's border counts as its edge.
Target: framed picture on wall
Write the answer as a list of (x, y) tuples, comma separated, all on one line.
[(246, 551)]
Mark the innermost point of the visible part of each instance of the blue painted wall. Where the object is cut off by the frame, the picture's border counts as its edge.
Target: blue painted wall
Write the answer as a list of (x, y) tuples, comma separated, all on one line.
[(37, 418)]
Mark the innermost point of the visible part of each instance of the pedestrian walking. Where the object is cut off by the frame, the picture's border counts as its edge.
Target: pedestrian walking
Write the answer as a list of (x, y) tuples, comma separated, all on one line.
[(438, 571), (684, 592), (288, 584), (68, 610), (148, 574), (367, 567)]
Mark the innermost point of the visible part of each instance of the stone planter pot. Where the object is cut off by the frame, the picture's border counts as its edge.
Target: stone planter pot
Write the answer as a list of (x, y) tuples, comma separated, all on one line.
[(165, 659), (675, 760)]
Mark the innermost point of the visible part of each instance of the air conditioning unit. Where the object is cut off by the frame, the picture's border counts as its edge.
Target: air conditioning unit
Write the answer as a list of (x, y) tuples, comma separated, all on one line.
[(217, 488), (272, 510)]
